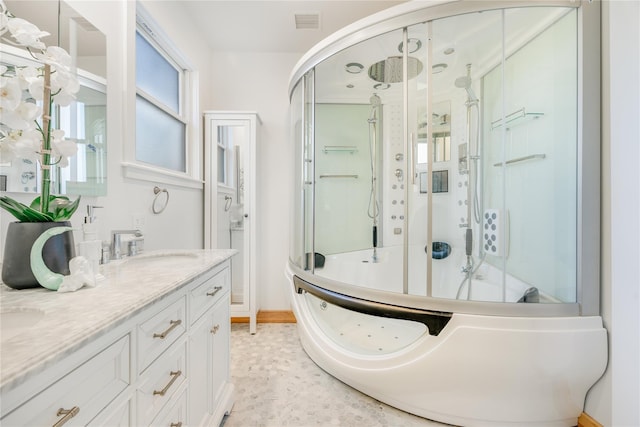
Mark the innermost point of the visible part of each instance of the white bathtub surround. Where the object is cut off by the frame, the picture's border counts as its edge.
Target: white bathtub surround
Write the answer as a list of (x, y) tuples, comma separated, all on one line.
[(479, 371)]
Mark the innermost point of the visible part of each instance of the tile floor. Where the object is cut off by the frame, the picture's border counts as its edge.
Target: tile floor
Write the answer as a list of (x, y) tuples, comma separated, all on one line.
[(278, 385)]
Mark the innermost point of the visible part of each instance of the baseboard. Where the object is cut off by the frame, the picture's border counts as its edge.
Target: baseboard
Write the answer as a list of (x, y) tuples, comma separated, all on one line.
[(585, 420), (269, 316)]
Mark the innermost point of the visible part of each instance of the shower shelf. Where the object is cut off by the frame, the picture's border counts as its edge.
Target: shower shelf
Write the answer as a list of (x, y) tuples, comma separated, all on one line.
[(521, 159), (340, 149), (339, 176), (516, 118)]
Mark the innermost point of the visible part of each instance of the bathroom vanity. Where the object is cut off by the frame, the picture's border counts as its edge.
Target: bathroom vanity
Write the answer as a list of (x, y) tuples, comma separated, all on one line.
[(148, 346)]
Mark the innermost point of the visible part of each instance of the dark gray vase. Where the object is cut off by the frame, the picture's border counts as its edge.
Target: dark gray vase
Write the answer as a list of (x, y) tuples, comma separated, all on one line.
[(16, 265)]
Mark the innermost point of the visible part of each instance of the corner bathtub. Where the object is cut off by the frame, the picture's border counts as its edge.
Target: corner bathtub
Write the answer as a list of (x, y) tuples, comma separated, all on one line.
[(479, 370), (357, 268)]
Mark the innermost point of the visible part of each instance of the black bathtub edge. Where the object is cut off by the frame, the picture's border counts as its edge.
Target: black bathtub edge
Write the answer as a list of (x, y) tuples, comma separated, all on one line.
[(434, 320)]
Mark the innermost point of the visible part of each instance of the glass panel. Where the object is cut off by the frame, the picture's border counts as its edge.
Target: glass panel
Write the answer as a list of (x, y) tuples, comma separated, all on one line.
[(539, 161), (296, 242), (308, 170), (157, 76), (358, 96), (459, 59), (160, 138), (419, 118)]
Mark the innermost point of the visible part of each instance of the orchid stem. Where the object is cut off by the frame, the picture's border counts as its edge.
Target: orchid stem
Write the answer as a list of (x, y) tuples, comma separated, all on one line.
[(46, 141)]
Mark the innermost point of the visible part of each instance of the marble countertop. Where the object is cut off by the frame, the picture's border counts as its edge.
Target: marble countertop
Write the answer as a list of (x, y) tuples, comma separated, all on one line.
[(67, 321)]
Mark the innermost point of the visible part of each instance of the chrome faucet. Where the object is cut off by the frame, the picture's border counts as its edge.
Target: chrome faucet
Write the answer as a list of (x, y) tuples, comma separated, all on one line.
[(116, 240)]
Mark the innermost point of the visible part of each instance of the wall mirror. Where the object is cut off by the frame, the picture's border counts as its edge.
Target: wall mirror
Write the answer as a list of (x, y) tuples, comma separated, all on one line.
[(84, 120)]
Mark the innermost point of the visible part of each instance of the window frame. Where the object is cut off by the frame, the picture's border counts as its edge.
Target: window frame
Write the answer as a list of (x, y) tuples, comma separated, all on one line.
[(150, 30)]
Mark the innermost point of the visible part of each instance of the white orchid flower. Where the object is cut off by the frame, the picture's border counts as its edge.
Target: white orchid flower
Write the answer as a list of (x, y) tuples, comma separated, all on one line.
[(56, 56), (26, 34), (10, 93), (21, 117), (64, 86), (62, 148), (26, 75), (21, 145)]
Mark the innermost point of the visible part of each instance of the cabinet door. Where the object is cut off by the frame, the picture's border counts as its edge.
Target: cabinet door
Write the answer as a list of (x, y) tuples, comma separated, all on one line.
[(199, 351), (220, 335)]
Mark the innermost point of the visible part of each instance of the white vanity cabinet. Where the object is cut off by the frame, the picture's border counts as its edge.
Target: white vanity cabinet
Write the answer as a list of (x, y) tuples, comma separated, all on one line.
[(79, 396), (167, 364), (210, 389)]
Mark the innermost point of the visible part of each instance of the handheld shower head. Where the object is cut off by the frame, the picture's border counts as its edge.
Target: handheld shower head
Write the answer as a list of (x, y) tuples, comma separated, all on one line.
[(464, 82), (375, 102)]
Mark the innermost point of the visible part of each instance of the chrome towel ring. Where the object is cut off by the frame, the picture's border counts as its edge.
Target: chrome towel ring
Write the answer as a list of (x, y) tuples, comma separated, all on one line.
[(159, 204)]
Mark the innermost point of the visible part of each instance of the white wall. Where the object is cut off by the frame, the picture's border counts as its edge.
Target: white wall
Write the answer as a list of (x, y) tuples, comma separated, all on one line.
[(259, 82), (613, 401), (127, 197)]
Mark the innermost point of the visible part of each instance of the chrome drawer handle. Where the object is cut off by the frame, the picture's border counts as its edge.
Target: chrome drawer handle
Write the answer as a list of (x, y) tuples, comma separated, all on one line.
[(214, 330), (176, 424), (174, 377), (216, 289), (68, 414), (174, 324)]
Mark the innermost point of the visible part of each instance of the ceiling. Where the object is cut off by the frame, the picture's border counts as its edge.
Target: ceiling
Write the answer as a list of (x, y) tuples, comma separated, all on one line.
[(269, 26)]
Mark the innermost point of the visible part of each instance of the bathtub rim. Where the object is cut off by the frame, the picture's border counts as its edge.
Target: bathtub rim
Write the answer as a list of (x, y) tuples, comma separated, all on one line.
[(432, 304)]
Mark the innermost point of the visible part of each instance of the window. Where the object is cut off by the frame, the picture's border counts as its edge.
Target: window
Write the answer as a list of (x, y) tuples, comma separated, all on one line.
[(161, 115)]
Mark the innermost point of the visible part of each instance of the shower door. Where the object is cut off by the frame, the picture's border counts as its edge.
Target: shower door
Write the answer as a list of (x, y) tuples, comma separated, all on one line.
[(230, 201)]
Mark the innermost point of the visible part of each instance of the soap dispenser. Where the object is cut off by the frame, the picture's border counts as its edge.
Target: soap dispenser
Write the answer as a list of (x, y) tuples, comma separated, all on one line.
[(91, 245)]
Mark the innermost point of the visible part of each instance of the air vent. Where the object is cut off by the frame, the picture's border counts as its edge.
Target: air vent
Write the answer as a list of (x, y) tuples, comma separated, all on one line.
[(307, 21)]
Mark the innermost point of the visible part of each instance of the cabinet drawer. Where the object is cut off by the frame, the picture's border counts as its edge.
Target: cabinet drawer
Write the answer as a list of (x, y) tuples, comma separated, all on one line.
[(175, 415), (205, 295), (161, 381), (80, 395), (156, 334)]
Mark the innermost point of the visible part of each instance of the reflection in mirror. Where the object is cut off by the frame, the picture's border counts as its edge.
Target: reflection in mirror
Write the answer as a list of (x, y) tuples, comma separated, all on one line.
[(85, 119), (441, 120)]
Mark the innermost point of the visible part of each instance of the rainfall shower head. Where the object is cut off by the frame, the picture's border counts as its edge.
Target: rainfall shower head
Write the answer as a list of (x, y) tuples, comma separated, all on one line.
[(391, 70)]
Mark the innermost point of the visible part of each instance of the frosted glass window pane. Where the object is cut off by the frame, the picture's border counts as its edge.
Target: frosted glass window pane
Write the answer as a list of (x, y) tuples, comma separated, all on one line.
[(160, 138), (156, 76)]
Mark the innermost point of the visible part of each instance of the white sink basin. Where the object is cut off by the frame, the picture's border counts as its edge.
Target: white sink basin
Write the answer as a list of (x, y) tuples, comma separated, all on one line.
[(14, 321)]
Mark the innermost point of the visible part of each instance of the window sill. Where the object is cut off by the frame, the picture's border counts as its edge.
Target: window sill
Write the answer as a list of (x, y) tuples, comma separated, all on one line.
[(160, 176)]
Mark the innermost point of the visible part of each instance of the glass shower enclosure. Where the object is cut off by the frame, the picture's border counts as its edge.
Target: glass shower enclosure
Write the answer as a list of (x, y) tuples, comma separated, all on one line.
[(444, 253), (434, 162)]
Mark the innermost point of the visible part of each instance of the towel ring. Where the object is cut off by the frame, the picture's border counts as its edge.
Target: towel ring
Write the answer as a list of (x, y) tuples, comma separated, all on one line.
[(158, 207)]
